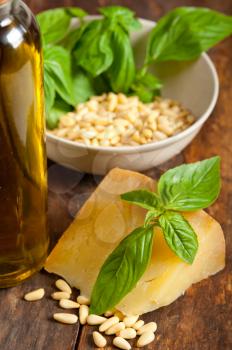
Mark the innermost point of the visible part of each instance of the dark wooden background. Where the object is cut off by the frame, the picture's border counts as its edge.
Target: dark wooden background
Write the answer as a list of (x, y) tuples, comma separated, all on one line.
[(202, 319)]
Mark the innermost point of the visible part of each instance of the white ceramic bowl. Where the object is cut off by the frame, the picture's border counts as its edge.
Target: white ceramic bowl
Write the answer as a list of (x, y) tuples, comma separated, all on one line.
[(194, 84)]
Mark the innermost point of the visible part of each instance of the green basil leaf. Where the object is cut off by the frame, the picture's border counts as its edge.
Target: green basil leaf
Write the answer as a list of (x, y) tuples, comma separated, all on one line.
[(49, 91), (59, 108), (122, 270), (143, 198), (83, 87), (57, 61), (75, 12), (122, 71), (53, 24), (72, 37), (122, 15), (191, 187), (179, 235), (146, 86), (186, 32), (93, 50)]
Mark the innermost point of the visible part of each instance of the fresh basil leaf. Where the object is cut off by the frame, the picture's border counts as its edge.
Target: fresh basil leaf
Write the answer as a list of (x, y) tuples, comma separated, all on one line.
[(122, 71), (49, 91), (186, 32), (143, 198), (93, 50), (72, 37), (122, 270), (122, 15), (59, 108), (146, 86), (190, 187), (57, 62), (83, 87), (179, 235), (75, 12), (53, 24)]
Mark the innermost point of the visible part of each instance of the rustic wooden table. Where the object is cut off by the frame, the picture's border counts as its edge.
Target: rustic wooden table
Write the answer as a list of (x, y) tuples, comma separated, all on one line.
[(202, 319)]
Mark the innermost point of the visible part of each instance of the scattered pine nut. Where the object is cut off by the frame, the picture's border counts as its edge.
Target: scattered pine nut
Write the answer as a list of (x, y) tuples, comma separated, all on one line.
[(108, 313), (145, 339), (99, 340), (108, 323), (128, 333), (60, 295), (121, 343), (65, 318), (94, 320), (115, 328), (63, 286), (35, 295), (68, 304), (81, 299), (130, 320), (138, 324), (83, 314), (149, 327)]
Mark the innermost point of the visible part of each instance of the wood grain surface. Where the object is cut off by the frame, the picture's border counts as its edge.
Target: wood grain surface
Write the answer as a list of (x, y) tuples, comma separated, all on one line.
[(202, 318)]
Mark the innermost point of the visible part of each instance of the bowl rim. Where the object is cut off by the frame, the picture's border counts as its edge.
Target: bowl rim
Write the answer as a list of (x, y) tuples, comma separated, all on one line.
[(151, 145)]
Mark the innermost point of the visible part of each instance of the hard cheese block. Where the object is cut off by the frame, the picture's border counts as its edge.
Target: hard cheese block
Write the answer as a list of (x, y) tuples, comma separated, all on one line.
[(105, 220)]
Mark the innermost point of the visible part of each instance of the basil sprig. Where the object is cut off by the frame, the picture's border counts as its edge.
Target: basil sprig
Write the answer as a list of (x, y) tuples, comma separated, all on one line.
[(187, 187)]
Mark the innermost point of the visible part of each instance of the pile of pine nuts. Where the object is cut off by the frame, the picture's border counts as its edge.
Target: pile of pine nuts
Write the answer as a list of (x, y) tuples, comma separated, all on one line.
[(117, 120), (112, 323)]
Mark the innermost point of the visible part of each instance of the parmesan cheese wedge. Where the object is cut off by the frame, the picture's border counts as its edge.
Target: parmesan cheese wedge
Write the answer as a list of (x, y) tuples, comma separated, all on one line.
[(105, 220)]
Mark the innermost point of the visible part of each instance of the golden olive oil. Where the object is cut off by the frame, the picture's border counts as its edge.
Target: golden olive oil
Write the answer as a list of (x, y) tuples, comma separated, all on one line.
[(23, 182)]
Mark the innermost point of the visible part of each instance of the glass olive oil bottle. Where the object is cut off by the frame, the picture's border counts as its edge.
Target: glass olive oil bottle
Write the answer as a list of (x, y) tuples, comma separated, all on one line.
[(23, 181)]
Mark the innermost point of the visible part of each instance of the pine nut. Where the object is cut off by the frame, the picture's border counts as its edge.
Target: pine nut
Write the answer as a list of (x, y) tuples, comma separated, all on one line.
[(108, 323), (99, 340), (63, 286), (89, 134), (158, 135), (94, 320), (147, 133), (115, 328), (81, 299), (145, 339), (138, 324), (130, 320), (113, 101), (108, 313), (128, 333), (35, 295), (65, 318), (83, 314), (68, 304), (121, 343), (67, 121), (149, 327), (60, 295)]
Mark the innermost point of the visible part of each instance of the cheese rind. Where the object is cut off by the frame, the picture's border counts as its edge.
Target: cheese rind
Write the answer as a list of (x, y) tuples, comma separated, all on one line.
[(105, 220)]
